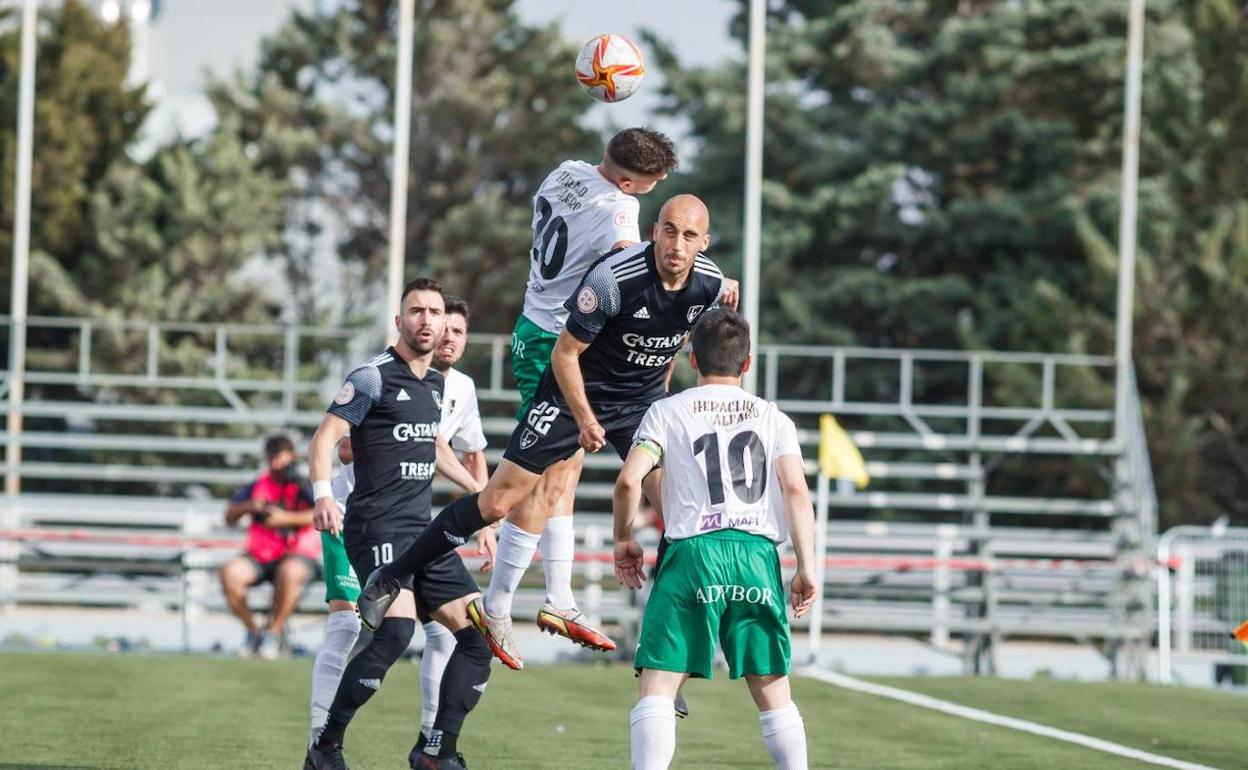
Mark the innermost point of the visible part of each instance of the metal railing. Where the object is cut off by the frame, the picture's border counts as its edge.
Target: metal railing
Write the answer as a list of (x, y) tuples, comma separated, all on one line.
[(944, 432)]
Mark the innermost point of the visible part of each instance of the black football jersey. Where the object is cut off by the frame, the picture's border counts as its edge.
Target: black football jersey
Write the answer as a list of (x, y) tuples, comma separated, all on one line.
[(634, 326), (395, 418)]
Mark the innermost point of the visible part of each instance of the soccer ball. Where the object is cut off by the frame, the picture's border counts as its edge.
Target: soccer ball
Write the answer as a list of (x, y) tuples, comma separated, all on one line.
[(610, 68)]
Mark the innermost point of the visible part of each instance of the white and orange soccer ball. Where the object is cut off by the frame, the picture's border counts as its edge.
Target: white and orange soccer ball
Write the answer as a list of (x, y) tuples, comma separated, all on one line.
[(610, 68)]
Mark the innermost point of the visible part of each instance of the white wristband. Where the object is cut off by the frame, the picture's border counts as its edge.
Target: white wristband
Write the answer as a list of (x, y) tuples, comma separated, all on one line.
[(322, 489)]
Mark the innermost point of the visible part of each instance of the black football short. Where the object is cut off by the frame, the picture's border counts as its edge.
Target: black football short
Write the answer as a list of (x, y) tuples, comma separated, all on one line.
[(549, 434), (371, 544)]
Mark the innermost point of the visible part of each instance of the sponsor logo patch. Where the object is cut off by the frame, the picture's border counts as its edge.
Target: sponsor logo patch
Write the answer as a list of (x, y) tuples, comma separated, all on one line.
[(527, 439), (643, 313), (587, 300), (345, 394), (625, 219), (694, 312), (402, 396), (372, 684), (709, 521)]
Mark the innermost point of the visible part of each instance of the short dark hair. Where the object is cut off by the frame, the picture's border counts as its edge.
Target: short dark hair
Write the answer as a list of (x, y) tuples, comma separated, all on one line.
[(421, 284), (276, 444), (721, 343), (642, 151), (458, 306)]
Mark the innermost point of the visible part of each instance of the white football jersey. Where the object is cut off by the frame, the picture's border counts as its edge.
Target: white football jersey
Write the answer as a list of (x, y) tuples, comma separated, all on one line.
[(578, 215), (461, 423), (461, 417), (720, 445), (342, 485)]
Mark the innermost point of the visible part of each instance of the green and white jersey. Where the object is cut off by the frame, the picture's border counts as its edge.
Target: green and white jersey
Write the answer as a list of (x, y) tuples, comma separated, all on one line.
[(719, 448), (577, 216)]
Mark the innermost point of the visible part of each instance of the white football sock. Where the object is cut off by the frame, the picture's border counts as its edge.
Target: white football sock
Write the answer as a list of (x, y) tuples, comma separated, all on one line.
[(439, 644), (341, 630), (558, 545), (653, 722), (515, 554), (785, 736)]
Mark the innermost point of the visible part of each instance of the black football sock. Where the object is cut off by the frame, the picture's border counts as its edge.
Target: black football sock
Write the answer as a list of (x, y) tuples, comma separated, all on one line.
[(450, 529), (364, 674), (463, 683)]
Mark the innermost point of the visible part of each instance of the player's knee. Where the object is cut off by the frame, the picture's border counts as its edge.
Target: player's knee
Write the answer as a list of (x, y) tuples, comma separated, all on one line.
[(392, 637), (492, 507), (472, 646)]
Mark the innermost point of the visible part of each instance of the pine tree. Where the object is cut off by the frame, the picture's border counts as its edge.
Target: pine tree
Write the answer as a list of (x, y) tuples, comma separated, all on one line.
[(493, 110)]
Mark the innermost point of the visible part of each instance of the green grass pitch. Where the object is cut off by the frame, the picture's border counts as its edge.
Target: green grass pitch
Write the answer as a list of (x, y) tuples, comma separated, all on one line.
[(91, 711)]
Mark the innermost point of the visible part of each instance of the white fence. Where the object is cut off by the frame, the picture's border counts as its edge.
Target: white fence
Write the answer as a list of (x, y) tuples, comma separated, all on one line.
[(1202, 594)]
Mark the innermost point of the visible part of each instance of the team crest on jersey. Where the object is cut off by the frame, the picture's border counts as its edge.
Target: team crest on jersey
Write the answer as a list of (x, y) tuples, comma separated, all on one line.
[(345, 394), (587, 300), (527, 439), (694, 312), (625, 219), (437, 399)]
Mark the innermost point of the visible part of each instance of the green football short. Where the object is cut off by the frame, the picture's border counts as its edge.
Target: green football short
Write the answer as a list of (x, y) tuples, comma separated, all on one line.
[(530, 355), (340, 580), (720, 587)]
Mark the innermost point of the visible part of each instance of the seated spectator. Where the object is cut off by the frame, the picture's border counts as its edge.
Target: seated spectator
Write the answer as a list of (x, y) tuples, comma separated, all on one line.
[(282, 546)]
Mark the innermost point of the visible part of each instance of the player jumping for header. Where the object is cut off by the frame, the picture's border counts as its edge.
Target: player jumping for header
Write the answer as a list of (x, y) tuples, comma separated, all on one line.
[(627, 321)]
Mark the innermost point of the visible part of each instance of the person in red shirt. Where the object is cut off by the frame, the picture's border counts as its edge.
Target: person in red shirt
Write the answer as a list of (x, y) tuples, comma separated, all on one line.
[(283, 548)]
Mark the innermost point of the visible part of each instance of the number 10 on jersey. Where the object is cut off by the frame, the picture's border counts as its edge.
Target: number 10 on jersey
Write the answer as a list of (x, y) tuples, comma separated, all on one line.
[(748, 488)]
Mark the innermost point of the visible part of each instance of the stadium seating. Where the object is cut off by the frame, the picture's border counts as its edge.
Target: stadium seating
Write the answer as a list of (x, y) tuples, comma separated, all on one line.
[(1001, 502)]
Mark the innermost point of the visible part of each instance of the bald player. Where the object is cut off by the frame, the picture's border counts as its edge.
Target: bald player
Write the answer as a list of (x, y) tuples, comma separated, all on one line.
[(627, 320)]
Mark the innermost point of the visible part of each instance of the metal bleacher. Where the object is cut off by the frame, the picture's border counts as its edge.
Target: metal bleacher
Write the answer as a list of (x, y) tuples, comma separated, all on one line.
[(1001, 503)]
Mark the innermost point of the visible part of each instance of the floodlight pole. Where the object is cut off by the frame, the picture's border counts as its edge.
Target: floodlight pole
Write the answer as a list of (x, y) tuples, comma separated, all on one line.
[(1126, 222), (21, 249), (402, 143), (753, 182)]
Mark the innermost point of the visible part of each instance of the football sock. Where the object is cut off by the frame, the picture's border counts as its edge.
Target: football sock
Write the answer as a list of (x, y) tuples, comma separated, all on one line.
[(463, 684), (341, 630), (515, 553), (449, 529), (439, 644), (785, 736), (364, 674), (558, 546), (653, 722)]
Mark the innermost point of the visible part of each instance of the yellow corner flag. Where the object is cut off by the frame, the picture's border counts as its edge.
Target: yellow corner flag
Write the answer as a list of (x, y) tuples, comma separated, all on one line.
[(838, 457)]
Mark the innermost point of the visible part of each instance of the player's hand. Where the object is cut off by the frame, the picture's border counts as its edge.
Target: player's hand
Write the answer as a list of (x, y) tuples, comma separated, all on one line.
[(803, 597), (326, 517), (629, 563), (592, 436), (487, 546), (731, 293)]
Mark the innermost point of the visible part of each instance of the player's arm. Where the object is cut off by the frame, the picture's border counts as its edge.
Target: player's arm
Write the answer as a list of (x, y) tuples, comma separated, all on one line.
[(453, 470), (325, 514), (801, 517), (565, 359), (629, 562), (474, 463), (594, 303), (729, 293)]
